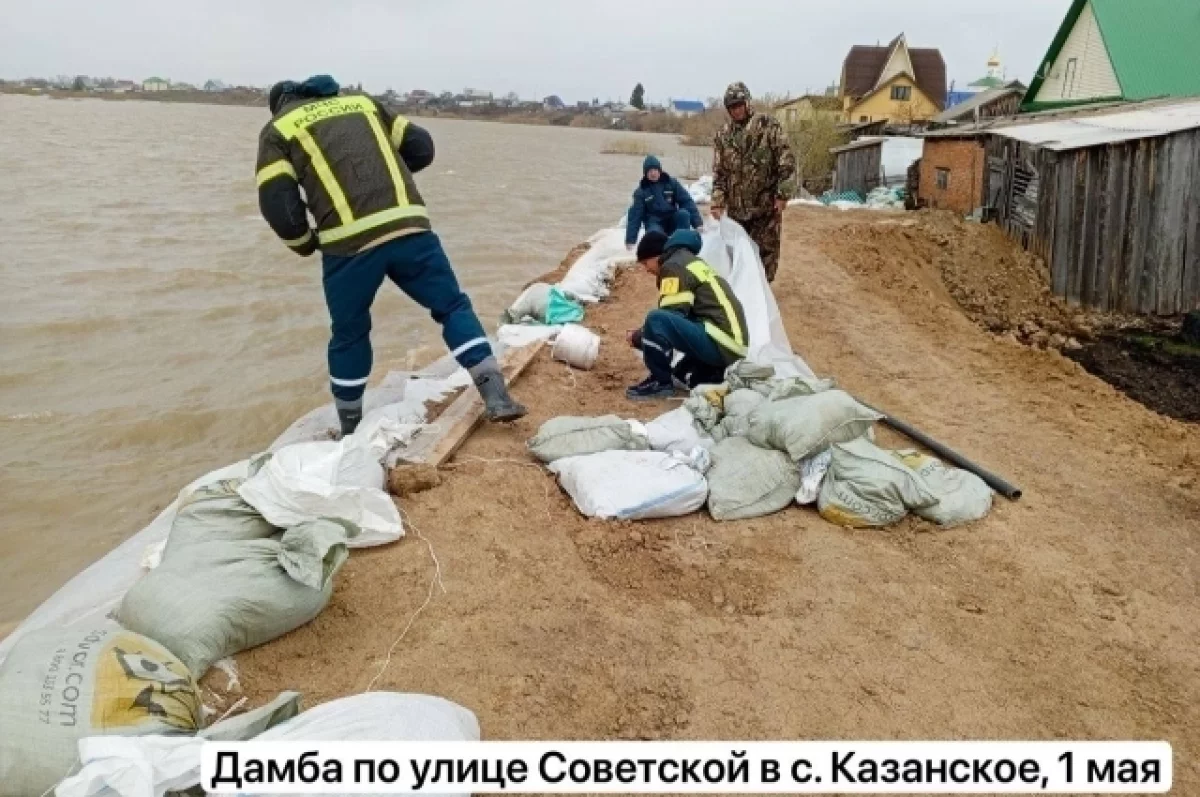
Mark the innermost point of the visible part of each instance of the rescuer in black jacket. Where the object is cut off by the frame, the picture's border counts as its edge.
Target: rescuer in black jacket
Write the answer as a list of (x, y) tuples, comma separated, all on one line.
[(355, 162)]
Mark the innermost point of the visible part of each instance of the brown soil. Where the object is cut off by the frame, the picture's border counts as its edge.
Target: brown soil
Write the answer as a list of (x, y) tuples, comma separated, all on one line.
[(1162, 373), (1071, 614)]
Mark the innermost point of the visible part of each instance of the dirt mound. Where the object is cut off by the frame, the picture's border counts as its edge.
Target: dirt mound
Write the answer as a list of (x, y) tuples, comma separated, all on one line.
[(996, 283), (1162, 373)]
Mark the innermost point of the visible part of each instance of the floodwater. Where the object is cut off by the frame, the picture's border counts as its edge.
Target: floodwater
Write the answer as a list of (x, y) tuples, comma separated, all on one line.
[(152, 328)]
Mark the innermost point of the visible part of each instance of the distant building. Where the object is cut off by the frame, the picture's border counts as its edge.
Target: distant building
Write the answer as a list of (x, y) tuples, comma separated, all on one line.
[(477, 95), (419, 97), (183, 87), (994, 79), (686, 108), (809, 108), (1002, 101), (215, 85), (155, 84), (898, 84), (1120, 50), (553, 103)]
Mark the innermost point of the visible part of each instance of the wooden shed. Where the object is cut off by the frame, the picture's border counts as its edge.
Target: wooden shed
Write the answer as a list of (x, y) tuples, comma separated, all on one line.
[(1111, 202), (872, 162)]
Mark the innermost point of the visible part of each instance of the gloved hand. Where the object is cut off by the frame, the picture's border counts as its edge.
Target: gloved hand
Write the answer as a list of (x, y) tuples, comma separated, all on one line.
[(634, 337)]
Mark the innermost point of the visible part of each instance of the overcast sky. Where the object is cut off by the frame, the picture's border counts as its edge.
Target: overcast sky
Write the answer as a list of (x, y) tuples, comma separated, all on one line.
[(578, 49)]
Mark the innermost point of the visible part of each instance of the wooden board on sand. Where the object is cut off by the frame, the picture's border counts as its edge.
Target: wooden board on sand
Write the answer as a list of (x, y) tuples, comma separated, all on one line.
[(455, 424)]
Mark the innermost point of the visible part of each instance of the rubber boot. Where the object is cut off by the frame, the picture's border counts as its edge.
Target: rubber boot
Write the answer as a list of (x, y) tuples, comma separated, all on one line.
[(349, 417), (499, 406)]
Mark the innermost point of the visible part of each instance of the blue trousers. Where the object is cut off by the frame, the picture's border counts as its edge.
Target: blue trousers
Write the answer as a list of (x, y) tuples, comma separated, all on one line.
[(682, 220), (419, 267), (666, 332)]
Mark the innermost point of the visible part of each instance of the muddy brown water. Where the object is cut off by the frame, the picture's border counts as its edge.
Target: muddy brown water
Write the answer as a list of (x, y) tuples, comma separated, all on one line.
[(154, 329)]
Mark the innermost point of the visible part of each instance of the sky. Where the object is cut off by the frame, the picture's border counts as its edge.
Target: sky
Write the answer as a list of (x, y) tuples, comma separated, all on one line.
[(578, 49)]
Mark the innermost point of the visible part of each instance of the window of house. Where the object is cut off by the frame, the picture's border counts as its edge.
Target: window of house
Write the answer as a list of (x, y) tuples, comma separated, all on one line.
[(791, 115), (943, 178), (902, 93), (864, 118), (1068, 85)]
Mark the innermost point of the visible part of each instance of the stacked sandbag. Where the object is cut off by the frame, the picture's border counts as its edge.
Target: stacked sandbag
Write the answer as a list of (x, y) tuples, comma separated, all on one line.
[(806, 425), (531, 305), (746, 481), (869, 487), (635, 485), (738, 405), (812, 476), (676, 430), (212, 598), (570, 436), (962, 496), (58, 686), (217, 512)]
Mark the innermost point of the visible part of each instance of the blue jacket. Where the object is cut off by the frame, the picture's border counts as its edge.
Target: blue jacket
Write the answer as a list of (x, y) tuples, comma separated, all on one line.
[(658, 201)]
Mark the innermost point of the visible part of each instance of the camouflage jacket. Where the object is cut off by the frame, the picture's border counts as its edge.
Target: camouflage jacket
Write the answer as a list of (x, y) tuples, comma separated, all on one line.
[(752, 167)]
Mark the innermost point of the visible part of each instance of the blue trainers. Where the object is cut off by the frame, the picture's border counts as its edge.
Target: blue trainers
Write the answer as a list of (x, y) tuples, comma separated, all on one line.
[(650, 389)]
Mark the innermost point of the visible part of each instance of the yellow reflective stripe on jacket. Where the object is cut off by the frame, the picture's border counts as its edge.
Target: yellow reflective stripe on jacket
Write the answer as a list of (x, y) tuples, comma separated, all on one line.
[(687, 297), (703, 272), (371, 222), (291, 124), (325, 175), (277, 169), (296, 243), (717, 334), (399, 125), (389, 157)]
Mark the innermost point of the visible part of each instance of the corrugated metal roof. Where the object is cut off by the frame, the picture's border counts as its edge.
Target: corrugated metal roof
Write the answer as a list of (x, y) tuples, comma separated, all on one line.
[(1089, 131), (1154, 45), (968, 107)]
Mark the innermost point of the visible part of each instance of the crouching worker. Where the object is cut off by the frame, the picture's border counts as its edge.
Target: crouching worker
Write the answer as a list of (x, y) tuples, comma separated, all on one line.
[(355, 162), (698, 317), (660, 203)]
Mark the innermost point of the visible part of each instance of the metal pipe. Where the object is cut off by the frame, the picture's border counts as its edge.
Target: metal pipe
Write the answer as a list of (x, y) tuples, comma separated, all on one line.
[(1009, 491)]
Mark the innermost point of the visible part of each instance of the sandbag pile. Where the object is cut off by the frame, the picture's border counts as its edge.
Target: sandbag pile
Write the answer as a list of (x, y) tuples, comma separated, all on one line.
[(541, 303), (753, 445)]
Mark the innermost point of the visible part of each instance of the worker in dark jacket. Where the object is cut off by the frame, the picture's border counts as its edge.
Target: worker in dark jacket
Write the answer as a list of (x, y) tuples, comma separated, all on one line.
[(698, 317), (355, 162), (661, 203)]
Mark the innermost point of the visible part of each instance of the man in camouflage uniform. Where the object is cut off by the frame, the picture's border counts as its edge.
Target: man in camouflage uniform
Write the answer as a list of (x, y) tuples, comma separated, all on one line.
[(752, 173)]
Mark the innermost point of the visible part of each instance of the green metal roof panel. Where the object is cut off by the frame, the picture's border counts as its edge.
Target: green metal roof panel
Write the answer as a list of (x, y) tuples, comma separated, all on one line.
[(1154, 45)]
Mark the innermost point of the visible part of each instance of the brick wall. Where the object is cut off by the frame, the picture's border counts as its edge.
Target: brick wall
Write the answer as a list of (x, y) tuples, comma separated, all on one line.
[(964, 159)]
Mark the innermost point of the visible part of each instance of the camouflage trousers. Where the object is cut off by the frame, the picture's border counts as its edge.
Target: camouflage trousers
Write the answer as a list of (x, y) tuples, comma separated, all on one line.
[(767, 232)]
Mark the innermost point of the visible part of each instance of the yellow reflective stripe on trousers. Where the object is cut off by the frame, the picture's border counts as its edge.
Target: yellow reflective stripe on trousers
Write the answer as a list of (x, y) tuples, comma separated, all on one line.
[(687, 297), (703, 272), (296, 243), (277, 169), (325, 175), (371, 222), (399, 125), (717, 334), (389, 157)]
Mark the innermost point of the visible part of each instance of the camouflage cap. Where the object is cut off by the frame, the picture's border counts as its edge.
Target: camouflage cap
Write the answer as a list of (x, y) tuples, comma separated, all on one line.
[(737, 92)]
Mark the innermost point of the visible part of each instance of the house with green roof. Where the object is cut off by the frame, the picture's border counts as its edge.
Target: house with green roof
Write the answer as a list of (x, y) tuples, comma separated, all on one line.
[(1110, 50)]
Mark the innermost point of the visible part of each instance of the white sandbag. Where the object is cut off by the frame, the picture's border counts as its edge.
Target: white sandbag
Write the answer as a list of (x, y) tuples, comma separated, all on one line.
[(576, 346), (211, 600), (61, 685), (812, 475), (340, 481), (570, 436), (518, 336), (380, 717), (869, 487), (676, 431), (804, 425), (635, 485), (150, 766), (530, 305), (588, 278), (962, 496), (746, 481)]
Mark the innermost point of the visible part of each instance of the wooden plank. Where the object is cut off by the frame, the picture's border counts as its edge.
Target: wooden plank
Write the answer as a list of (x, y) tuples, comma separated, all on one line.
[(1093, 191), (1173, 180), (458, 421), (1152, 214), (1140, 191), (1064, 239), (1079, 227), (1189, 295), (1116, 223)]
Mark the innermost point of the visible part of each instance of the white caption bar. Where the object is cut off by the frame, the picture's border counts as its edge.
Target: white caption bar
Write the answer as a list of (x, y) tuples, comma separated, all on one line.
[(688, 767)]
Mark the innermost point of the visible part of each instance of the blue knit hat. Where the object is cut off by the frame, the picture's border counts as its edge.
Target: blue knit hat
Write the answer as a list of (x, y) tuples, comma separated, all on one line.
[(651, 162), (687, 239)]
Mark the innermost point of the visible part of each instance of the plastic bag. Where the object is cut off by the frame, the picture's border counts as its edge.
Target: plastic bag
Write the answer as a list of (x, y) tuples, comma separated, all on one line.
[(340, 481), (560, 309), (804, 425), (569, 436), (211, 600), (531, 305), (812, 474), (746, 481), (869, 487), (634, 485)]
